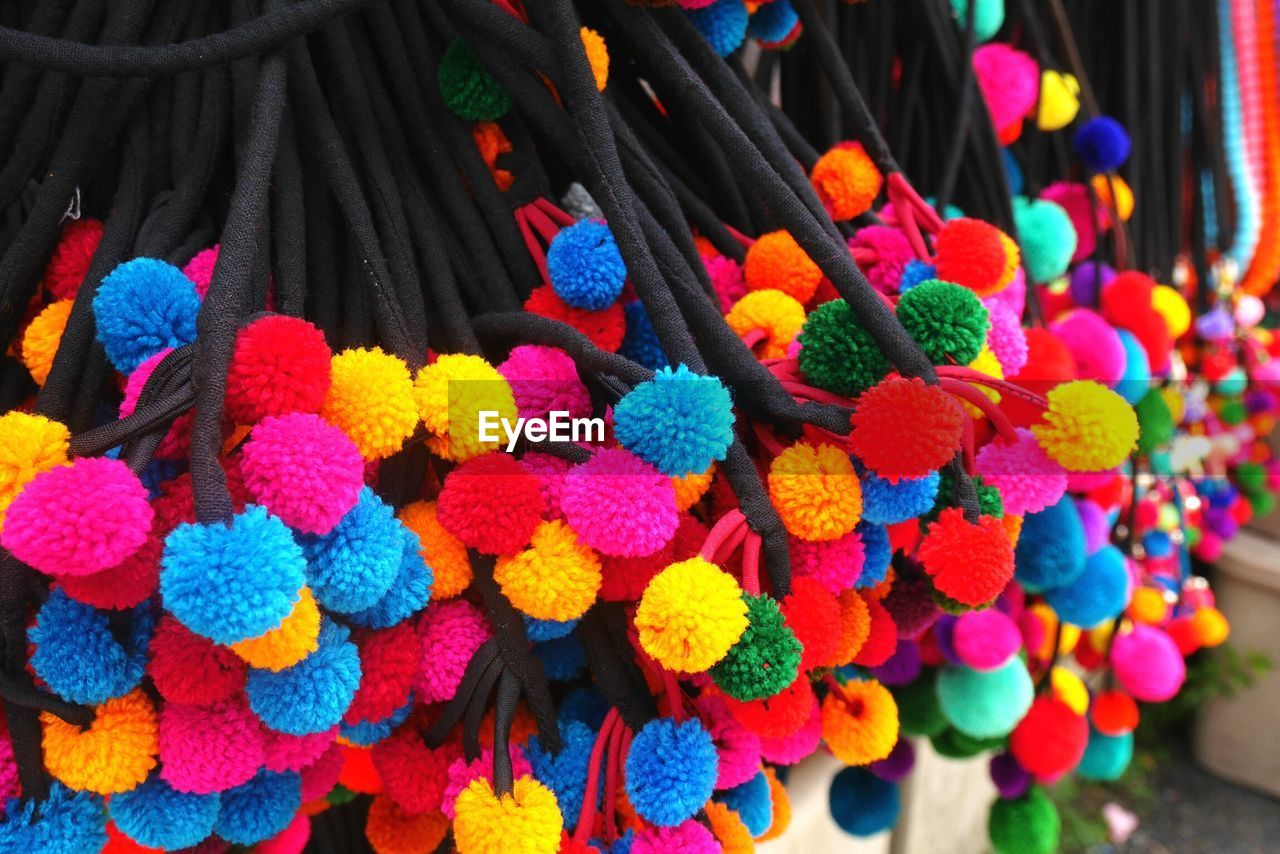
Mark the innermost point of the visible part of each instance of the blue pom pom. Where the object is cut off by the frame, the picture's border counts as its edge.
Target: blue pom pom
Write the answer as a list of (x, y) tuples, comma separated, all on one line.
[(671, 770), (772, 23), (232, 582), (77, 654), (1012, 168), (623, 843), (1102, 144), (545, 630), (585, 266), (985, 703), (641, 344), (315, 693), (723, 24), (66, 822), (876, 554), (863, 804), (565, 773), (1100, 592), (157, 473), (887, 503), (678, 421), (1136, 382), (562, 658), (158, 816), (1047, 237), (1106, 757), (1157, 544), (369, 733), (752, 801), (914, 273), (352, 567), (585, 705), (1050, 550), (142, 307), (409, 592), (260, 808)]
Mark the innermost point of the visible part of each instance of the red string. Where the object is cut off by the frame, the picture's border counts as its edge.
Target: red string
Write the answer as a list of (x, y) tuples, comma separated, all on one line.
[(582, 832)]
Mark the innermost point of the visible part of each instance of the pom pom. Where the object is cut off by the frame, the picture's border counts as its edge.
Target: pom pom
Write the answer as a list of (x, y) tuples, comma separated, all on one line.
[(451, 393), (898, 764), (232, 582), (1098, 594), (142, 307), (641, 343), (556, 578), (1059, 100), (29, 445), (722, 23), (542, 380), (838, 353), (691, 614), (156, 815), (860, 721), (78, 519), (450, 634), (1049, 361), (779, 716), (947, 321), (678, 421), (69, 263), (776, 262), (1027, 825), (861, 803), (753, 802), (988, 17), (911, 603), (765, 659), (1050, 740), (468, 89), (78, 656), (605, 328), (1047, 237), (388, 666), (811, 611), (971, 253), (919, 712), (877, 438), (1051, 548), (597, 52), (855, 625), (835, 564), (391, 830), (115, 753), (985, 704), (259, 809), (491, 504), (289, 643), (893, 255), (670, 771), (1010, 80), (1114, 713), (1147, 664), (770, 312), (412, 774), (565, 772), (1106, 757), (352, 566), (1087, 427), (585, 267), (41, 338), (969, 563), (188, 669), (986, 640), (130, 582), (882, 636), (688, 836), (619, 504), (816, 491), (1096, 349), (302, 470), (847, 181), (65, 821), (280, 365), (1102, 144), (885, 502), (1028, 480), (371, 399), (296, 752), (528, 818), (312, 695), (205, 749), (444, 553), (772, 23)]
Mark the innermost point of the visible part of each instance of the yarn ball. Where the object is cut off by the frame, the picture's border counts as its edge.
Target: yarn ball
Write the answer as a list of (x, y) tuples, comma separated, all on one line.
[(1026, 825), (259, 809), (312, 695), (788, 749), (855, 625), (771, 312), (859, 721), (467, 87), (1135, 382), (189, 669), (777, 262), (41, 338), (670, 770), (412, 774), (1114, 713), (1028, 479), (680, 422), (200, 268), (452, 393), (816, 491), (619, 504), (444, 553), (919, 712), (878, 552), (722, 23), (130, 582), (1059, 100), (985, 704), (1009, 80), (970, 253), (1147, 664), (911, 603), (391, 830), (1098, 594), (279, 365), (688, 836), (901, 667), (882, 636), (885, 502), (141, 307), (779, 716), (113, 754), (542, 380), (947, 320), (810, 612), (302, 470), (65, 821), (835, 564), (295, 752), (585, 267), (1006, 337), (893, 255), (462, 773), (1087, 427), (1096, 349), (29, 445), (1011, 779), (986, 640), (79, 657), (838, 353), (772, 23), (605, 328), (288, 643), (1051, 548), (1102, 144), (528, 819), (1106, 757), (556, 578), (353, 565), (898, 764), (726, 278), (969, 563), (210, 748), (593, 45), (877, 437), (69, 263), (765, 659), (988, 17), (691, 614), (78, 519), (1155, 422), (1050, 739), (861, 803), (1047, 237), (737, 747), (752, 801), (845, 178), (370, 398), (156, 815), (1049, 360), (641, 343), (565, 772), (491, 504), (450, 632)]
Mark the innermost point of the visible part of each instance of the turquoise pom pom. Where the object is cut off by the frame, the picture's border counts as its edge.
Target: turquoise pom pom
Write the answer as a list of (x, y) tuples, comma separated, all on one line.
[(679, 422), (1107, 756), (1099, 594), (1047, 238), (352, 567), (863, 804), (985, 703), (1051, 548)]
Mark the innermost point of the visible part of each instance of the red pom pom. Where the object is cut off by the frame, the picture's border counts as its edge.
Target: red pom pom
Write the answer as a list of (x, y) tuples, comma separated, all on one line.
[(491, 503), (414, 775), (1152, 332), (1183, 632), (883, 639), (1050, 740), (605, 328), (904, 428), (969, 563), (280, 365), (1125, 295), (1049, 362), (71, 257), (813, 613), (971, 253), (124, 585), (191, 670), (778, 716), (1217, 365), (625, 578), (1114, 713), (1087, 656), (389, 660)]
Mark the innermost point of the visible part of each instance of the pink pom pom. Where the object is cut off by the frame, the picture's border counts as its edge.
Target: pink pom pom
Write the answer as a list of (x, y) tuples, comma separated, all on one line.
[(450, 632), (727, 279), (319, 778), (737, 746), (285, 752), (551, 471), (177, 441), (1012, 296), (790, 749), (1095, 345), (544, 380), (79, 519), (1028, 479), (694, 4), (303, 470), (985, 640), (461, 773), (1089, 481), (1147, 664), (1010, 82), (1007, 340), (1074, 198), (689, 837), (206, 749), (292, 840), (9, 786), (835, 564), (892, 254), (620, 505), (200, 268)]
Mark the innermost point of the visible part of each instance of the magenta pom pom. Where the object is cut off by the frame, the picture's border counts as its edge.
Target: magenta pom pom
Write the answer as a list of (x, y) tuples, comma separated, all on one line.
[(1010, 82), (285, 752), (1007, 340), (292, 840), (551, 471), (1074, 198), (1095, 345), (303, 470), (738, 748), (177, 441), (690, 837), (461, 773), (835, 564), (79, 519), (545, 380), (620, 505), (1147, 664), (200, 268), (451, 632), (790, 749), (319, 777), (892, 254), (985, 640), (727, 279), (1028, 479), (9, 787), (205, 749)]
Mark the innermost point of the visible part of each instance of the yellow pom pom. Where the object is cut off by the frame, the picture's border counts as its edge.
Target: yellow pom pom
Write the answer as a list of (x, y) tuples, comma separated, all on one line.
[(1099, 637), (781, 806), (29, 445), (847, 181), (1173, 308), (393, 831), (442, 551), (985, 363), (1122, 204), (597, 56), (451, 393), (1173, 399), (816, 491), (288, 643), (771, 311), (1088, 427), (1059, 100), (691, 613), (114, 754), (691, 487), (1148, 606), (371, 400), (1049, 621), (42, 337), (860, 721), (776, 262), (556, 578), (1013, 260), (729, 829), (527, 821), (1070, 689), (1211, 627)]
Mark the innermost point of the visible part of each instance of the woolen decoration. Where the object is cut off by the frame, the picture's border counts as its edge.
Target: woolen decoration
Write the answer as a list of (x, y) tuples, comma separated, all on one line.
[(985, 704), (1050, 739), (1050, 551), (859, 721), (1099, 594), (312, 695), (816, 491), (679, 421), (619, 505), (671, 770), (141, 307), (491, 504), (969, 563), (1026, 825), (585, 266), (156, 815), (767, 656), (279, 365), (691, 614), (352, 566), (838, 353), (881, 444), (863, 804), (259, 809)]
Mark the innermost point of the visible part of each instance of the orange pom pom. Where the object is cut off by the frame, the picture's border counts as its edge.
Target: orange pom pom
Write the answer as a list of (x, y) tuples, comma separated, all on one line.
[(442, 551), (860, 721), (781, 806), (777, 262), (393, 831), (727, 825), (114, 754), (1114, 713), (847, 181)]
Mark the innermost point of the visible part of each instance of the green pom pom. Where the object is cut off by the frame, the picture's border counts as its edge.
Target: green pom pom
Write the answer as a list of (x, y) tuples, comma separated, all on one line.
[(1233, 412), (1251, 477), (947, 320), (765, 659), (1047, 238), (1263, 503), (918, 711), (468, 89), (953, 744), (1026, 825), (340, 795), (1155, 422), (990, 503), (988, 18), (837, 352)]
